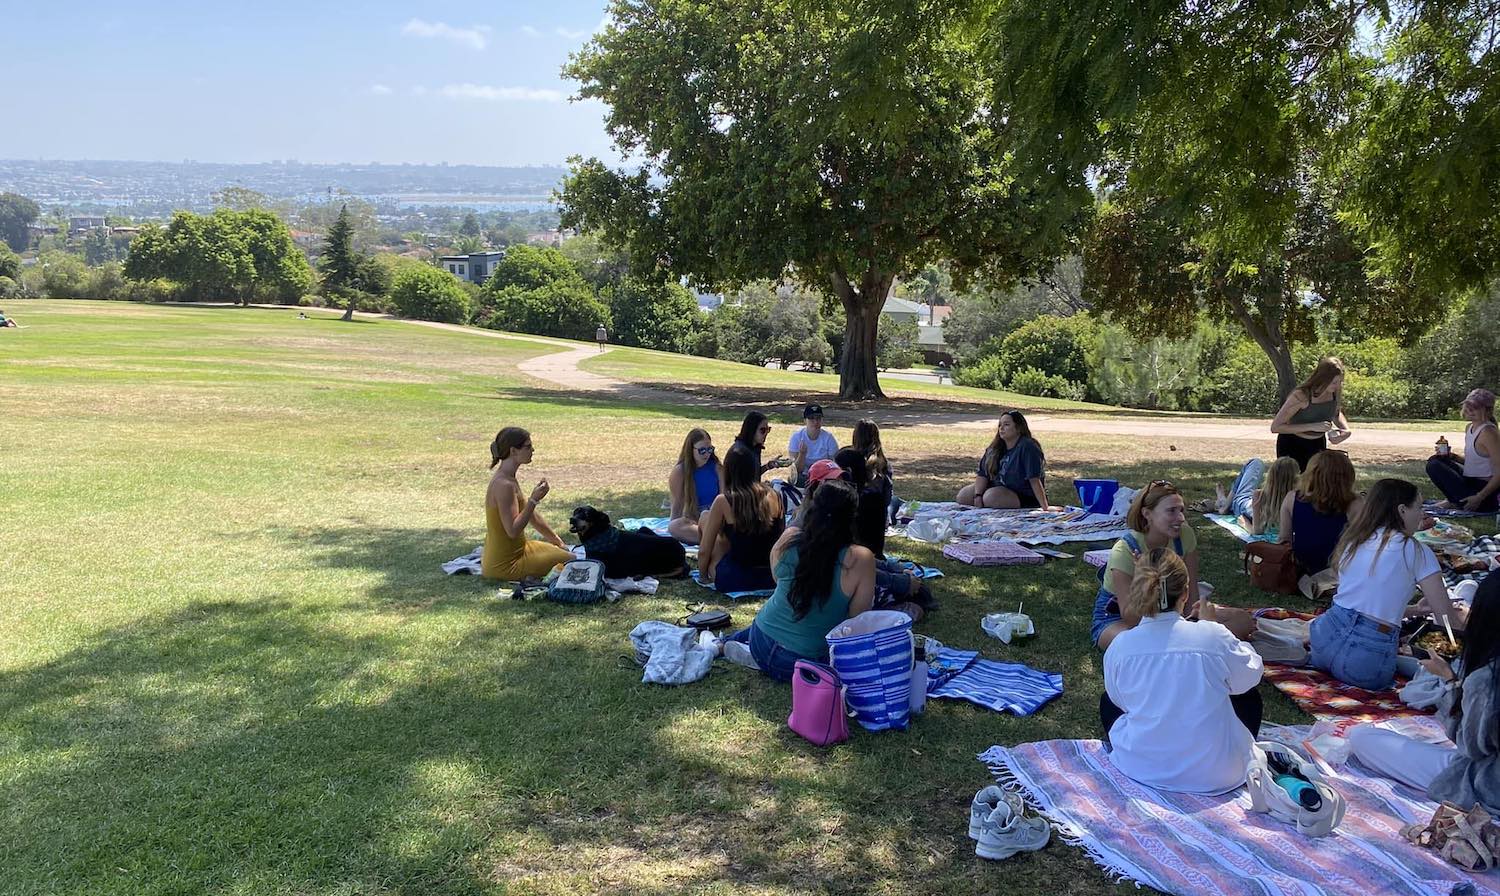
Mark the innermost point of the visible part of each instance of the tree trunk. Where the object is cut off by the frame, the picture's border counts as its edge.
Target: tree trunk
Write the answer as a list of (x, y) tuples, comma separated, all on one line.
[(859, 380), (349, 311), (1266, 331)]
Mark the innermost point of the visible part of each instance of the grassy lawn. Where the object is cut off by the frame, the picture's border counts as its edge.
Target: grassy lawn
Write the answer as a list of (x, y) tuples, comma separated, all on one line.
[(232, 665)]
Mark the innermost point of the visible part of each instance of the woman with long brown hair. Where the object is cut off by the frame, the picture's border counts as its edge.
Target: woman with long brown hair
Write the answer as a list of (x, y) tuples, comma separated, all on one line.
[(508, 553), (1379, 565), (1012, 472), (1313, 415), (740, 528), (694, 482)]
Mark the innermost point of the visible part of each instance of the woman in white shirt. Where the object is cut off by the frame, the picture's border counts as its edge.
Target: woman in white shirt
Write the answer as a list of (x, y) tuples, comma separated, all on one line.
[(1180, 709), (1380, 565)]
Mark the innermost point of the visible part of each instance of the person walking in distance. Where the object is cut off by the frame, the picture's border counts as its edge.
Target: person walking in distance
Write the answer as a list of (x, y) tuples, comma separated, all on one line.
[(601, 336)]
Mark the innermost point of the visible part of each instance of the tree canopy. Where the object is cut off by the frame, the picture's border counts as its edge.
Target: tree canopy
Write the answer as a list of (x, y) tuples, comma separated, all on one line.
[(843, 143), (17, 213), (243, 255)]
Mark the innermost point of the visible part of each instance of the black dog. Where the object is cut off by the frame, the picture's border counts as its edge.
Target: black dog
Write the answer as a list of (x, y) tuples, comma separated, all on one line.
[(626, 555)]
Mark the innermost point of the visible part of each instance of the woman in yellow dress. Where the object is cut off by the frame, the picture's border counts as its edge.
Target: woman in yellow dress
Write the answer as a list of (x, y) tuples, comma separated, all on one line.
[(508, 553)]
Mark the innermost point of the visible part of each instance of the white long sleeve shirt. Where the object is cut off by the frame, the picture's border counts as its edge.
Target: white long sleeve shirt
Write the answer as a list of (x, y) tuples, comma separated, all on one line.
[(1173, 678)]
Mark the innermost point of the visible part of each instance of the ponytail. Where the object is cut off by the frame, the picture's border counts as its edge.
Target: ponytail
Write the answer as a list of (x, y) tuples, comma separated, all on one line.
[(1160, 580), (506, 439)]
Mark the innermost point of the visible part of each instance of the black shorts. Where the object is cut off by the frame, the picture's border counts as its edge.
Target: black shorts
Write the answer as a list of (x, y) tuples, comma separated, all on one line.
[(1028, 499)]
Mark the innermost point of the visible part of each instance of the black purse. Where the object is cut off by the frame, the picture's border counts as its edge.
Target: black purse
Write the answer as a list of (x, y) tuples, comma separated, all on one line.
[(710, 620)]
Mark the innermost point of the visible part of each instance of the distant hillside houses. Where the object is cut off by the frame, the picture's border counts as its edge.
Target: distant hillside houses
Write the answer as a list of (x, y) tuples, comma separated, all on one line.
[(474, 267)]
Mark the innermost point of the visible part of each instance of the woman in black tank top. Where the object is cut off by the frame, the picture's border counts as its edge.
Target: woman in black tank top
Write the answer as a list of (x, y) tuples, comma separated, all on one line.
[(1312, 416)]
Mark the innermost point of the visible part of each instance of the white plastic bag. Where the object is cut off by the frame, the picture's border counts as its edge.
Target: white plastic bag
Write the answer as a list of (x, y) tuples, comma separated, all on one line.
[(1008, 626), (933, 529), (1123, 497)]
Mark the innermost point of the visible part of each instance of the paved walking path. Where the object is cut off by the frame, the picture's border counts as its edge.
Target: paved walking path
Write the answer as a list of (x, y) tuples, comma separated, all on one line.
[(561, 369)]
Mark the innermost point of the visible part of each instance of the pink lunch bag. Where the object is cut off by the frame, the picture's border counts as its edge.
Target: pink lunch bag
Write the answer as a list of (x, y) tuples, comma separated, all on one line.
[(818, 704)]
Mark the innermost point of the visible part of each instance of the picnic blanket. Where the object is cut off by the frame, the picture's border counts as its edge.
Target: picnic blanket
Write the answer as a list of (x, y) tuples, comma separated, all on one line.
[(1192, 844), (1483, 546), (1024, 526), (1322, 696), (732, 595), (467, 565), (1229, 523), (992, 553), (1003, 687), (1432, 508), (657, 524)]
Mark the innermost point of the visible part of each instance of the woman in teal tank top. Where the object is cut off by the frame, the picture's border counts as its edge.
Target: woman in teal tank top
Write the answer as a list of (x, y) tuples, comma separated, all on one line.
[(822, 578)]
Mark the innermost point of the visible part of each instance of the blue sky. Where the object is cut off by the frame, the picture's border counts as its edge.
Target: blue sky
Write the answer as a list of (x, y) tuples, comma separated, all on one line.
[(313, 81)]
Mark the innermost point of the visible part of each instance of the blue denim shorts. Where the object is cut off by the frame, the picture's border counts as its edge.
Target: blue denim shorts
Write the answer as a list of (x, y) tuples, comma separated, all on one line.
[(1106, 613), (1352, 647)]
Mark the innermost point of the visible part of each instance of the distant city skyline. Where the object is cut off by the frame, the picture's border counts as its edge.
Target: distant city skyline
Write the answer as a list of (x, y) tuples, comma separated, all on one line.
[(388, 83)]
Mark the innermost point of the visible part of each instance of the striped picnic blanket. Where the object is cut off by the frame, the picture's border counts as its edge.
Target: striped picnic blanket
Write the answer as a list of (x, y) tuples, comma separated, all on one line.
[(1003, 687), (1231, 524), (1212, 846)]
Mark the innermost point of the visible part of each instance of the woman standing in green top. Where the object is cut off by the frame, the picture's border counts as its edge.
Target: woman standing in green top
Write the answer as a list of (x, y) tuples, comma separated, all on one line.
[(822, 578), (1313, 415)]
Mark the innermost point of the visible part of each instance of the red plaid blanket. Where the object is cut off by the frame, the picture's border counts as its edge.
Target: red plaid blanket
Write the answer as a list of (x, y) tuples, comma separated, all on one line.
[(1322, 696)]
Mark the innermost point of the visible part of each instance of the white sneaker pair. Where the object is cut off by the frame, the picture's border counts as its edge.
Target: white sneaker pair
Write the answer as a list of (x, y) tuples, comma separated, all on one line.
[(997, 820)]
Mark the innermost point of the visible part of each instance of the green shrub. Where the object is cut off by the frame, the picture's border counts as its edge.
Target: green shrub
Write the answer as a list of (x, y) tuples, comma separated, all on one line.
[(1375, 396), (1030, 381), (426, 293), (1057, 346), (1457, 356), (566, 309), (986, 373)]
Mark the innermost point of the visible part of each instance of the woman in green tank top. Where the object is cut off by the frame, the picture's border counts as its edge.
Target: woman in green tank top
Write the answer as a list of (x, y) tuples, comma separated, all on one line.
[(1313, 415), (822, 578)]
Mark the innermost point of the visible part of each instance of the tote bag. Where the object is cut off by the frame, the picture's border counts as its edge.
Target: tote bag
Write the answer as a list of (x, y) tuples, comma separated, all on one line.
[(873, 654)]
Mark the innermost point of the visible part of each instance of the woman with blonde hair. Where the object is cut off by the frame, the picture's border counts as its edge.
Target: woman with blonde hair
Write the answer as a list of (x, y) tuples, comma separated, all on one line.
[(1314, 516), (695, 480), (508, 553), (1313, 415), (1379, 565), (1471, 481), (1168, 676)]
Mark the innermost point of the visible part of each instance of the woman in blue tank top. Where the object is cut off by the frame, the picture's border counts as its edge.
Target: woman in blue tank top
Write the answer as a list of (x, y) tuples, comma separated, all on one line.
[(692, 494)]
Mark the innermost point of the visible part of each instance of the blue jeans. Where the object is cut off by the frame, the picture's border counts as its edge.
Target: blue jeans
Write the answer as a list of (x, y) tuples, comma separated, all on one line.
[(1354, 648), (774, 660), (1242, 493), (1106, 613)]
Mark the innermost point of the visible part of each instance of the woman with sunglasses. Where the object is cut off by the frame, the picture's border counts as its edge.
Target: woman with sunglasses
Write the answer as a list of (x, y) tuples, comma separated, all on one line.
[(695, 481), (752, 438), (508, 553), (1157, 519)]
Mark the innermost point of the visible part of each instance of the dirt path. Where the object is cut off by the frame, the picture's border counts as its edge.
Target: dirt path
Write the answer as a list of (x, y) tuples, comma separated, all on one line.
[(561, 369)]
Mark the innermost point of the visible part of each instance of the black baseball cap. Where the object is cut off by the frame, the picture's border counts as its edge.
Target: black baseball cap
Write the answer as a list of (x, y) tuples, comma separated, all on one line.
[(812, 410)]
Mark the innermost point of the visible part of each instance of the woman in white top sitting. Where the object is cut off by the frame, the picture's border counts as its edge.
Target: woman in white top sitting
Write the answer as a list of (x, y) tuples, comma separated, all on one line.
[(1180, 709), (1471, 481), (1380, 567)]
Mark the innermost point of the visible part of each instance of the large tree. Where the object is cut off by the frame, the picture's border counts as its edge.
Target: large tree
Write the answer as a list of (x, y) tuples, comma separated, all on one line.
[(16, 216), (840, 142), (241, 255), (341, 264), (1224, 138)]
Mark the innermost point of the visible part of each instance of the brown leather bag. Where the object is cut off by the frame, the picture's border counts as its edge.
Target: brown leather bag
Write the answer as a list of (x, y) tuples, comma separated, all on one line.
[(1272, 567)]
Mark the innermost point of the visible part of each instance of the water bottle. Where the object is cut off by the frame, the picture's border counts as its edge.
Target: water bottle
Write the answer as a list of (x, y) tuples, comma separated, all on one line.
[(1288, 778)]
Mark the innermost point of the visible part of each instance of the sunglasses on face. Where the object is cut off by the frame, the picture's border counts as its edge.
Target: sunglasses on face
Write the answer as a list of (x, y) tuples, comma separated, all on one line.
[(705, 451), (764, 429), (525, 444)]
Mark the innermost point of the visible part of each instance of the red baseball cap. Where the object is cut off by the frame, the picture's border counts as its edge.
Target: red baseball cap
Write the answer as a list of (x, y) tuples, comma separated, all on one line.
[(824, 469)]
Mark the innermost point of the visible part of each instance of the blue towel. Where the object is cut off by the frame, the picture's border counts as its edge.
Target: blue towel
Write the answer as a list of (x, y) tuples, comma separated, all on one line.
[(732, 595), (1003, 687)]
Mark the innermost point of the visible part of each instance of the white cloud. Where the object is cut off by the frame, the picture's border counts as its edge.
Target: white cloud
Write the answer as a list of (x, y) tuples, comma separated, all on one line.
[(491, 94), (572, 35), (475, 36), (381, 90), (530, 31)]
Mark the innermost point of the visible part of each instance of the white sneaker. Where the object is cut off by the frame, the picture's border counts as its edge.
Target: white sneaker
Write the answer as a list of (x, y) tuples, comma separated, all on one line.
[(739, 654), (1004, 834), (986, 801)]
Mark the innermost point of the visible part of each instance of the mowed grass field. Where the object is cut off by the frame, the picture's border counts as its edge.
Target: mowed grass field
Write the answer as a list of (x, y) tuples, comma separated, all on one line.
[(230, 662)]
